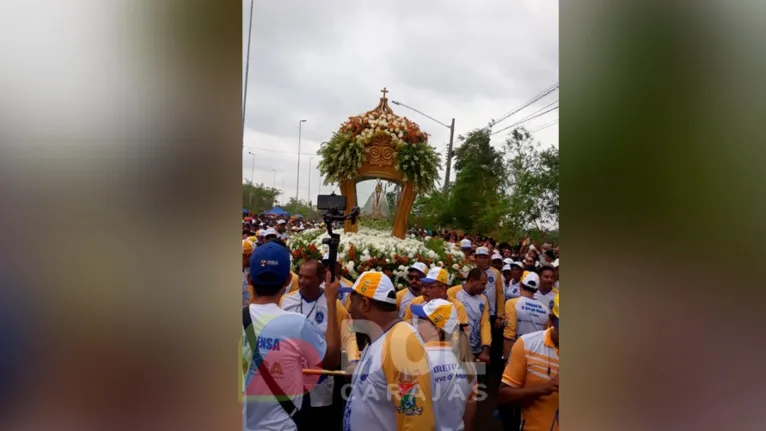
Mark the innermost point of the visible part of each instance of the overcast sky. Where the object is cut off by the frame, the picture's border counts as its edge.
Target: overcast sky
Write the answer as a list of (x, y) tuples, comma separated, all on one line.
[(324, 61)]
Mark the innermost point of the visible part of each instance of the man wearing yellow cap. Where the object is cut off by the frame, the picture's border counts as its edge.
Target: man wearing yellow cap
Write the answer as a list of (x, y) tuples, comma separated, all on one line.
[(391, 387), (451, 363), (531, 378), (434, 286)]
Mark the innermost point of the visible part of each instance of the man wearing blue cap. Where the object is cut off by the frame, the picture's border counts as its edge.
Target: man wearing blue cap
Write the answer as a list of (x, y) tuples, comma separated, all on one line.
[(277, 345)]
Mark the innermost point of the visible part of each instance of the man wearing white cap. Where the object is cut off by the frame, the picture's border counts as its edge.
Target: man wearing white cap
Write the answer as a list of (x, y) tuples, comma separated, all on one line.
[(270, 234), (282, 230), (556, 266), (391, 389), (512, 272), (417, 271), (435, 285), (524, 314), (454, 376), (495, 293), (466, 248)]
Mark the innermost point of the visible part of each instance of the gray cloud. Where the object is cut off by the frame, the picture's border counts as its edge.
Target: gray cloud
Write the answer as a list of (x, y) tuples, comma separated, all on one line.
[(326, 61)]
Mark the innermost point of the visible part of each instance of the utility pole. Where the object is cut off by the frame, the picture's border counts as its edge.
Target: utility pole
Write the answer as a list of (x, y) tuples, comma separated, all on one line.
[(449, 155)]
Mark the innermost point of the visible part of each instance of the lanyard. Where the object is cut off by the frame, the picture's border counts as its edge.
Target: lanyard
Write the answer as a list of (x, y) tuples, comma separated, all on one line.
[(316, 301)]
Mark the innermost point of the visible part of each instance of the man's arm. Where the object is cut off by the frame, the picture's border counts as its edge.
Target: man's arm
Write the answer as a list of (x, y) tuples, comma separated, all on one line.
[(513, 388), (347, 336), (499, 295), (332, 357), (486, 332), (509, 333)]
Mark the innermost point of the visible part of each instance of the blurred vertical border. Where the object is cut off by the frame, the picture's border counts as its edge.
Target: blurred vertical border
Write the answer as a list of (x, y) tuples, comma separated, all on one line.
[(662, 149), (121, 144)]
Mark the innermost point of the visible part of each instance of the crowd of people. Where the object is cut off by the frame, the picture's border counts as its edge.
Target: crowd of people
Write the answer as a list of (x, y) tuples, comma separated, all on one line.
[(322, 352)]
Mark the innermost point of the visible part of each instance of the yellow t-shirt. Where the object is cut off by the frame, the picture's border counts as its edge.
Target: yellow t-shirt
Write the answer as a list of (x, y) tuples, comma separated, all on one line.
[(534, 361)]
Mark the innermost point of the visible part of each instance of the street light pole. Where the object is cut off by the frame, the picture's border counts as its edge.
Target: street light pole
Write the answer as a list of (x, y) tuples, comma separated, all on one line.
[(309, 192), (252, 181), (298, 171), (451, 128), (252, 169), (247, 67)]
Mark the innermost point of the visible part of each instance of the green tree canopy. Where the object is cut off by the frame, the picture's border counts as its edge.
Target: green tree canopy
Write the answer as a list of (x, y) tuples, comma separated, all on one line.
[(258, 198)]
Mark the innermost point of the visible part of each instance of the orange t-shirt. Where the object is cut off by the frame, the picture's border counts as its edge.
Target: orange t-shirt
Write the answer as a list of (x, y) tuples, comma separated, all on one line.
[(534, 361)]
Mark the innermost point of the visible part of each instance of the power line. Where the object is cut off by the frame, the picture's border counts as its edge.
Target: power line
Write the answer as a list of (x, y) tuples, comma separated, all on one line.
[(545, 92), (277, 151), (531, 117), (537, 129)]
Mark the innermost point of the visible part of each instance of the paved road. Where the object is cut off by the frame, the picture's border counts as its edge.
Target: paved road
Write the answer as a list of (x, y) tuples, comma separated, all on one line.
[(484, 421)]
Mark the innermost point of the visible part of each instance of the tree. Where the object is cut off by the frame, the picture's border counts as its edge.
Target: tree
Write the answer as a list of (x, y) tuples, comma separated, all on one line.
[(391, 196), (533, 182), (258, 198), (301, 207), (476, 200)]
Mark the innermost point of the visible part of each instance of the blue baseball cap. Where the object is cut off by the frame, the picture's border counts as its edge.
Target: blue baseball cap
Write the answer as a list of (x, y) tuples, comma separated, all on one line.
[(270, 265)]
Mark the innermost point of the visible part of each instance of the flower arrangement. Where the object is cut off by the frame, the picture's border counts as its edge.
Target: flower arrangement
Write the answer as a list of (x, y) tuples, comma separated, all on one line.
[(371, 249), (346, 151)]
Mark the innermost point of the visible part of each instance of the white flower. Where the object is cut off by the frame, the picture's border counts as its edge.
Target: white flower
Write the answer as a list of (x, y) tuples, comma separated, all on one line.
[(456, 267)]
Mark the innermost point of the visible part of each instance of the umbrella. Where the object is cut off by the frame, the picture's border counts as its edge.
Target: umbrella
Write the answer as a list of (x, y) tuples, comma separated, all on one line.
[(277, 211)]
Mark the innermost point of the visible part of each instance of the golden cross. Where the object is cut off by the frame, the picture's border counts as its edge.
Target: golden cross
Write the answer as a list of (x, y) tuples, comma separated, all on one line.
[(384, 91)]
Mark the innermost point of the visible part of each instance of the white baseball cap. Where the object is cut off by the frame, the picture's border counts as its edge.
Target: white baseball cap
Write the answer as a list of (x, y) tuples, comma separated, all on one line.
[(466, 243), (532, 247), (507, 261), (506, 267), (482, 251), (437, 273), (519, 264), (496, 256), (419, 266), (270, 231), (555, 263), (531, 280), (439, 312), (281, 222), (374, 285)]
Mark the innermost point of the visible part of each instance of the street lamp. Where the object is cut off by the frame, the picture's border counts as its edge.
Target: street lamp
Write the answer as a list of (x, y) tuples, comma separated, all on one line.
[(252, 181), (274, 184), (298, 173), (451, 128), (252, 169), (309, 192)]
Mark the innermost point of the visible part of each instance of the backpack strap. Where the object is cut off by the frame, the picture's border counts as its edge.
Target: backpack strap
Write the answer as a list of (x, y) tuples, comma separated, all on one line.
[(277, 391)]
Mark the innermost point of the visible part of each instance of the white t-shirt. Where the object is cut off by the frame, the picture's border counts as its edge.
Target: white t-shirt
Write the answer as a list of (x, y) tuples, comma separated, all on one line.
[(512, 290), (490, 289), (405, 302), (392, 384), (546, 299), (451, 387), (287, 342), (316, 313), (531, 316), (474, 307)]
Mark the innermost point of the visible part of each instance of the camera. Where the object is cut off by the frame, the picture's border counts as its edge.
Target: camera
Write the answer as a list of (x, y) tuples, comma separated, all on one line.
[(332, 202)]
